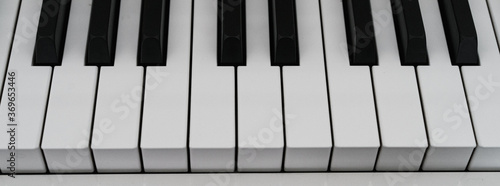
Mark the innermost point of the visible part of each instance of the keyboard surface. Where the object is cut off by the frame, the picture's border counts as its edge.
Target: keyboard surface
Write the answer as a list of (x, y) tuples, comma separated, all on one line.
[(237, 87)]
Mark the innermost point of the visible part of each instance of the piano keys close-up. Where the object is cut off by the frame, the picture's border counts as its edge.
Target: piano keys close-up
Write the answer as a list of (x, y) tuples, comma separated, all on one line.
[(250, 92)]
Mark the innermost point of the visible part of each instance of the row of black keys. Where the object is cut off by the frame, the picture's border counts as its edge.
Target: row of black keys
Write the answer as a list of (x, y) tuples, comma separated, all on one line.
[(101, 42), (231, 37)]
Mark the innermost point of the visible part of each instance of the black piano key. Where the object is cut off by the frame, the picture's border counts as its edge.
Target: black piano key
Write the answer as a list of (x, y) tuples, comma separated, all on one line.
[(153, 35), (51, 34), (460, 31), (360, 31), (101, 41), (231, 33), (410, 32), (283, 33)]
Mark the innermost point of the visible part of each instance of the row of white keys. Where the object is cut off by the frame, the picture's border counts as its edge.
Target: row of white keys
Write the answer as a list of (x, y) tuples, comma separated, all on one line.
[(8, 13), (212, 118), (166, 96), (70, 107), (449, 127), (260, 124), (402, 128), (115, 134), (308, 133), (32, 88), (481, 85), (354, 120)]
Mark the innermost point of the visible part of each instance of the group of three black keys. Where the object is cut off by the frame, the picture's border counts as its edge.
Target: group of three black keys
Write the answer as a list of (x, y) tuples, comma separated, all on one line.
[(231, 36)]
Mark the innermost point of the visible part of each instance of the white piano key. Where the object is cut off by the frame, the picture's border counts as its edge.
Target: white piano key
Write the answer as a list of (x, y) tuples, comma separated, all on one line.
[(165, 115), (70, 108), (115, 135), (8, 13), (308, 134), (212, 128), (481, 85), (260, 124), (494, 8), (449, 127), (402, 128), (32, 88), (354, 120)]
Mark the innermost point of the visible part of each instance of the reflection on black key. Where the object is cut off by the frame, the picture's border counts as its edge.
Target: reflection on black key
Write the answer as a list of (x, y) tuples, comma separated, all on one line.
[(153, 35), (360, 32), (101, 41), (460, 31), (283, 28), (51, 33), (410, 32), (231, 36)]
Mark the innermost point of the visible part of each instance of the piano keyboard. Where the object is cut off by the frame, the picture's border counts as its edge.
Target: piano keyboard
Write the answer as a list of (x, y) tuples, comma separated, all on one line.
[(205, 86)]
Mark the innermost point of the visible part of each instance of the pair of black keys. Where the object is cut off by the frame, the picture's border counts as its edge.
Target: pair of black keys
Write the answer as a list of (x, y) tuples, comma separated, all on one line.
[(231, 36)]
